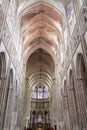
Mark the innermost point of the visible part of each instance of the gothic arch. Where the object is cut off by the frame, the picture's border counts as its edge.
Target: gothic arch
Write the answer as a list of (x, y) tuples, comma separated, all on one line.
[(36, 47), (81, 91), (39, 29), (82, 73), (80, 65), (2, 64), (40, 63), (2, 83), (2, 75)]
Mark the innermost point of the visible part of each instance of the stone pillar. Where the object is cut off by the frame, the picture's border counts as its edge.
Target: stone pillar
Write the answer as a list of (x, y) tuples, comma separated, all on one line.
[(66, 113), (18, 115), (25, 101), (82, 113), (14, 109), (53, 101), (29, 101), (60, 115), (5, 97), (2, 89), (72, 109), (8, 116)]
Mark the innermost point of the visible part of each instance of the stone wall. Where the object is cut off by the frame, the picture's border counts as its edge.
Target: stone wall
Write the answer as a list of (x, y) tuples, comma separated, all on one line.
[(76, 102), (14, 63)]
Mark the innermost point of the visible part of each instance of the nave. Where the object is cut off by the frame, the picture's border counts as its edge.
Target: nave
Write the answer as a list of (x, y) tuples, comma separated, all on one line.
[(43, 64)]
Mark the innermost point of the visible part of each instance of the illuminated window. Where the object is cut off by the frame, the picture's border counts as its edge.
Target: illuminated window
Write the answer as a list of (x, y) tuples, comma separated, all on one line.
[(81, 2), (40, 93), (71, 15), (0, 1), (47, 117), (45, 94), (33, 116), (39, 118)]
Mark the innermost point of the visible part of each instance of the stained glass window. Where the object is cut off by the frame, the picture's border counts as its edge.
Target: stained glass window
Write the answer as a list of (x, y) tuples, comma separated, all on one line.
[(45, 93), (40, 93), (46, 117), (39, 118)]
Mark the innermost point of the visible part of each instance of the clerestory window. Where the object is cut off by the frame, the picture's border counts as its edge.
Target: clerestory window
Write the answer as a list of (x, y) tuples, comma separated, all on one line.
[(40, 93)]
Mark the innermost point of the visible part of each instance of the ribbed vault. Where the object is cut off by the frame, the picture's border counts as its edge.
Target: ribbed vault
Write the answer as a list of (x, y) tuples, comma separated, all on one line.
[(41, 30), (41, 25), (40, 67)]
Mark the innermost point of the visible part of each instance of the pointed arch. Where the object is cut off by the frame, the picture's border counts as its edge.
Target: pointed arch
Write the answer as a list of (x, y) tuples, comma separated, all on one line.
[(81, 91)]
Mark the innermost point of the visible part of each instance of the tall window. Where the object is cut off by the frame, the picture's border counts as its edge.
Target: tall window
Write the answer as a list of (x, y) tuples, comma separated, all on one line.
[(81, 2), (40, 93), (71, 15), (45, 94), (46, 117), (0, 1), (39, 118)]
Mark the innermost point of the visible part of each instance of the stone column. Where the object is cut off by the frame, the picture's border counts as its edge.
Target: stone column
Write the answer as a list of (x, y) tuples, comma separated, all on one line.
[(8, 116), (82, 112), (72, 109), (53, 101), (2, 89), (66, 112), (5, 96), (14, 109), (18, 115), (25, 102), (28, 101)]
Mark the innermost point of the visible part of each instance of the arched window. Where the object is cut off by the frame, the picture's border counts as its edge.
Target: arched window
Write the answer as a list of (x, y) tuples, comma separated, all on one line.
[(81, 2), (46, 117), (39, 118), (40, 93), (81, 91), (71, 15), (0, 1), (45, 94)]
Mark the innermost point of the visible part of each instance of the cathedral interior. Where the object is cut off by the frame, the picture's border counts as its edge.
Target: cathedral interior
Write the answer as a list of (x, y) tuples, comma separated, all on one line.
[(43, 64)]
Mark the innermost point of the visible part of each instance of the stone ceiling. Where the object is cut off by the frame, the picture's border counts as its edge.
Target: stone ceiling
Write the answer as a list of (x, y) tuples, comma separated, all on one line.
[(40, 68), (41, 24)]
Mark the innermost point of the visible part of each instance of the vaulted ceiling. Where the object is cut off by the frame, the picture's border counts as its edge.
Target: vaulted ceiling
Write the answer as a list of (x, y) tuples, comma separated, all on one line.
[(41, 24), (40, 67)]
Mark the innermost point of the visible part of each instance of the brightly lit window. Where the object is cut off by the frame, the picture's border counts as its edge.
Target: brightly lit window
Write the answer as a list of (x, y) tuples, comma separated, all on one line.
[(71, 16), (40, 93), (81, 2), (86, 37), (0, 1), (39, 118)]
